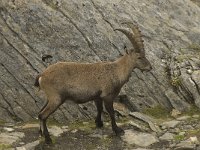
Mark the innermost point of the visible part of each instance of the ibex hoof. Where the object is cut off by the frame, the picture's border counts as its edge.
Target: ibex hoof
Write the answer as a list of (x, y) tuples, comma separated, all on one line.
[(119, 131), (99, 124), (48, 141)]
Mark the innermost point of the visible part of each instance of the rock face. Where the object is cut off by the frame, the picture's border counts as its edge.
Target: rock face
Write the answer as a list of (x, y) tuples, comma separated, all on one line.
[(82, 31)]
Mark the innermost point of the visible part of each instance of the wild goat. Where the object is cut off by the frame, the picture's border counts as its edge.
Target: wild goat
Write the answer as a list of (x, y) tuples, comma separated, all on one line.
[(83, 82)]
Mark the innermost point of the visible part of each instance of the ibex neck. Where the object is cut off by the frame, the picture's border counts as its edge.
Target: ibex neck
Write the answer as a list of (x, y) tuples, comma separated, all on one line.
[(125, 64)]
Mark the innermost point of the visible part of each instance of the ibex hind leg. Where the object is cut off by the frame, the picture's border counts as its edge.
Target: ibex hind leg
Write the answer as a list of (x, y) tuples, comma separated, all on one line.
[(108, 102), (99, 106), (41, 124), (52, 105)]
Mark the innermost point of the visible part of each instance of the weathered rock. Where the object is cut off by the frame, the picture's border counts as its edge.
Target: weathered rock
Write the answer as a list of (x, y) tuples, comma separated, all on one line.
[(10, 137), (83, 31), (8, 129), (176, 101), (55, 130), (142, 128), (183, 118), (167, 136), (175, 113), (137, 138), (150, 121), (171, 124), (142, 149), (30, 125), (195, 116), (29, 146), (185, 145)]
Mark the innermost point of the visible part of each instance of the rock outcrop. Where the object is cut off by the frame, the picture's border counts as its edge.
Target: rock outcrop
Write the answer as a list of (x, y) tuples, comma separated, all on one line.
[(34, 34)]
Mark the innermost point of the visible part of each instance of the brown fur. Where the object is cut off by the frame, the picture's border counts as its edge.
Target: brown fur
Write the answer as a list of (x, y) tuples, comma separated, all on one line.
[(83, 82)]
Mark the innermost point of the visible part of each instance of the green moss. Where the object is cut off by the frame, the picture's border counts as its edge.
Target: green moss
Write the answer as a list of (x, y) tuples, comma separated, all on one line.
[(158, 112), (179, 137), (2, 122), (53, 122), (85, 126), (5, 146), (123, 120)]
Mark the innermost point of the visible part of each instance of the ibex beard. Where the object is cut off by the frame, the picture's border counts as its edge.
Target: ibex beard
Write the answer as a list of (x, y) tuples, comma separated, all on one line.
[(99, 82)]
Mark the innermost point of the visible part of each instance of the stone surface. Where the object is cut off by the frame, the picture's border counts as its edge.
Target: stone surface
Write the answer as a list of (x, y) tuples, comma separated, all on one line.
[(137, 138), (8, 129), (167, 136), (29, 146), (183, 145), (171, 124), (182, 118), (10, 137), (55, 130), (149, 120), (82, 31)]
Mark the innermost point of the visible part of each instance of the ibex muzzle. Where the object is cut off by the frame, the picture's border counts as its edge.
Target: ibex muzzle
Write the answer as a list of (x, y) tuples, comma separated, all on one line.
[(83, 82)]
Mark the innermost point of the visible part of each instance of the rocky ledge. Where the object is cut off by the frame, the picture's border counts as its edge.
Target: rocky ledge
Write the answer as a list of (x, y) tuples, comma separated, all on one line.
[(141, 133)]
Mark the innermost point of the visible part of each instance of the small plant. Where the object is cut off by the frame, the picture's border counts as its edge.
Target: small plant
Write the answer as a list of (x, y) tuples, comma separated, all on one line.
[(175, 81), (179, 137)]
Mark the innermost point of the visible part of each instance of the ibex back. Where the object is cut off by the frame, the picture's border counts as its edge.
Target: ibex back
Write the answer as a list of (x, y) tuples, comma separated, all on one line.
[(81, 82)]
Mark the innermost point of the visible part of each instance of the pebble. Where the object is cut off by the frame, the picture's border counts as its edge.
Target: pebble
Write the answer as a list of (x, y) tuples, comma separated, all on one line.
[(8, 129)]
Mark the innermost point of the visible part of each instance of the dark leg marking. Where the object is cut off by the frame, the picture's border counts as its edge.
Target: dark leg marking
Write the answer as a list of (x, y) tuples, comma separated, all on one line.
[(108, 102), (99, 106)]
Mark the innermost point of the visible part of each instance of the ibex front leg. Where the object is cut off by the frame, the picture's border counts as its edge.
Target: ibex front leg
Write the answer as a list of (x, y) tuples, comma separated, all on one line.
[(99, 105), (108, 102)]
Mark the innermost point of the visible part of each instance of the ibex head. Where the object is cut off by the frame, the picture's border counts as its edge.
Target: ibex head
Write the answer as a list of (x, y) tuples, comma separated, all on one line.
[(142, 62)]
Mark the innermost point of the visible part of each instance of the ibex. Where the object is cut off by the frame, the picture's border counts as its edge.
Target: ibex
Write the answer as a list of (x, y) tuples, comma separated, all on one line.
[(83, 82)]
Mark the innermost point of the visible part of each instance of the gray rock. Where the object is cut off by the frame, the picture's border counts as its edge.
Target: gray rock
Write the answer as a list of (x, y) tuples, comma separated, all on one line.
[(55, 130), (140, 127), (176, 101), (195, 116), (29, 146), (183, 118), (182, 133), (137, 138), (170, 124), (8, 129), (185, 145), (11, 137), (150, 121), (167, 136), (141, 149)]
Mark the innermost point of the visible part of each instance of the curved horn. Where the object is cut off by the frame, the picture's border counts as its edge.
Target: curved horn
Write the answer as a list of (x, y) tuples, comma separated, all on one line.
[(136, 38)]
